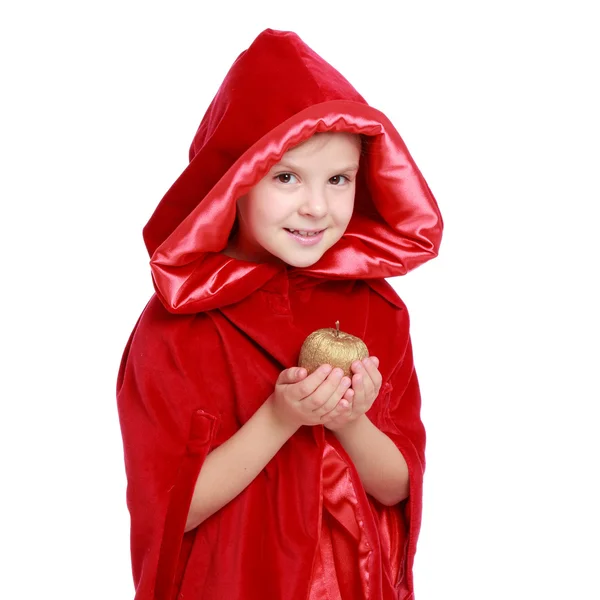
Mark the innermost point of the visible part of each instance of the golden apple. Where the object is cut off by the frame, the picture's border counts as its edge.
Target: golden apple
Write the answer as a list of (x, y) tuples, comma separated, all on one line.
[(333, 347)]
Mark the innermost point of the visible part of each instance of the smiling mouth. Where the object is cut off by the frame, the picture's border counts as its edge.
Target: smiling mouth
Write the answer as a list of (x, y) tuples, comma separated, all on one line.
[(305, 232)]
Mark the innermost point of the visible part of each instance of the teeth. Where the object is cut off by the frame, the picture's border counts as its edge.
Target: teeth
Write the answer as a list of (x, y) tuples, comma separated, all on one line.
[(303, 233)]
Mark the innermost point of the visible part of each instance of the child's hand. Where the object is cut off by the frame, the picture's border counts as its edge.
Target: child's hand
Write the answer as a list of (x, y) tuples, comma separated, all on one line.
[(366, 383), (315, 399)]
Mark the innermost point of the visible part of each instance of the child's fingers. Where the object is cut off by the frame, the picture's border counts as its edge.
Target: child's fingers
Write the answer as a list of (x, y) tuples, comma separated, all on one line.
[(318, 387), (366, 379), (338, 409), (358, 386), (329, 395), (305, 387), (298, 374), (370, 366), (339, 415), (349, 397), (292, 375)]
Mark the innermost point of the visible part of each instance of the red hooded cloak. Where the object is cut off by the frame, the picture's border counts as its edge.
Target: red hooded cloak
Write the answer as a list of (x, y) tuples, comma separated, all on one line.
[(208, 348)]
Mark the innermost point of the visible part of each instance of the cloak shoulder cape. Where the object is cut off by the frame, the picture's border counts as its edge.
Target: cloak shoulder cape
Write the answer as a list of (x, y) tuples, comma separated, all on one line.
[(208, 347)]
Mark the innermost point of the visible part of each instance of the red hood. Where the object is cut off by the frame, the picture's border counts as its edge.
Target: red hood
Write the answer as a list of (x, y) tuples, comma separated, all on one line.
[(277, 94)]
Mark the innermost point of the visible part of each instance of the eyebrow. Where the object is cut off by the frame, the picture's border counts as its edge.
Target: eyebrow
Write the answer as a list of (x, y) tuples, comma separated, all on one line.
[(293, 167)]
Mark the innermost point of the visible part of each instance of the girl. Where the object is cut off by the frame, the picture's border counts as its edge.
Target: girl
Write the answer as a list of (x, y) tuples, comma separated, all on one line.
[(247, 477)]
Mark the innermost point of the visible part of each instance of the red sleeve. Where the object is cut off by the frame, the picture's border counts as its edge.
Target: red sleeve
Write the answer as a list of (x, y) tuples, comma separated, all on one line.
[(402, 423), (166, 438), (397, 412)]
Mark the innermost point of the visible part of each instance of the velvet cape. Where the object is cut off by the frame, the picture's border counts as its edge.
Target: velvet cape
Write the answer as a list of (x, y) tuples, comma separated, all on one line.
[(208, 347)]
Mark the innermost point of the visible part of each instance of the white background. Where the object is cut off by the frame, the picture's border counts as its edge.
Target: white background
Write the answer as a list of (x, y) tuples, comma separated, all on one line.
[(498, 103)]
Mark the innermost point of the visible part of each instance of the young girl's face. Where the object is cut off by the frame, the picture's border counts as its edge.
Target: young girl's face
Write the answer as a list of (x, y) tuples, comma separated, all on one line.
[(302, 206)]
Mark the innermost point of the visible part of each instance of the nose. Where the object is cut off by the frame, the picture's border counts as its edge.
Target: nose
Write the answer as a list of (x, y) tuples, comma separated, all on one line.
[(314, 203)]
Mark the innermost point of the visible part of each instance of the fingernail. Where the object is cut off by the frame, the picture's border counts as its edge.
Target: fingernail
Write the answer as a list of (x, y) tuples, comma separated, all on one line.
[(326, 369)]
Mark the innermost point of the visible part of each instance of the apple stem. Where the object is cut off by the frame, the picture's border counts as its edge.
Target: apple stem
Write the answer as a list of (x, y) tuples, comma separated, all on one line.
[(337, 327)]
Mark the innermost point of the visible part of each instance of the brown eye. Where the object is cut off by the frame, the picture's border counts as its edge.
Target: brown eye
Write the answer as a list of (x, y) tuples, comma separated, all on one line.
[(285, 177), (338, 179)]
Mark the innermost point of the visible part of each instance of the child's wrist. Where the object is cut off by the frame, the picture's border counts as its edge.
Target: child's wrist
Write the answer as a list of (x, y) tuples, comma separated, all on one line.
[(350, 428), (277, 417)]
